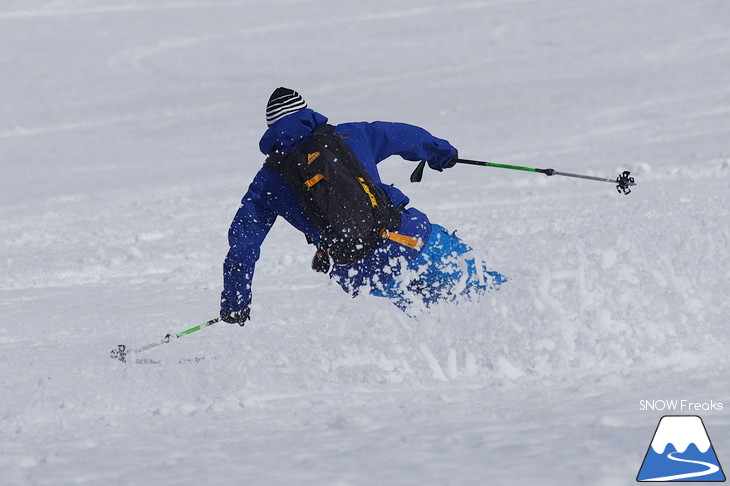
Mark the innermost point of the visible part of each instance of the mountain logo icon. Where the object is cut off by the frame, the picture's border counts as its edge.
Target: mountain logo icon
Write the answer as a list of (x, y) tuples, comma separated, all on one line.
[(681, 451)]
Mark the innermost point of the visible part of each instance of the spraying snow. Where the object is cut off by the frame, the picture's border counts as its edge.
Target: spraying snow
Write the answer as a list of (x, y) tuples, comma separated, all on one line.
[(128, 134)]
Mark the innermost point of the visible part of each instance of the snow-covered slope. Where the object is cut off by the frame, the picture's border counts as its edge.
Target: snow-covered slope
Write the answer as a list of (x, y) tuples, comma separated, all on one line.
[(129, 132)]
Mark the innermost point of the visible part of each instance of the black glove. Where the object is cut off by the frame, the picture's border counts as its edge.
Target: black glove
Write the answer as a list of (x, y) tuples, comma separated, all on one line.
[(445, 165), (239, 318), (321, 261), (452, 162)]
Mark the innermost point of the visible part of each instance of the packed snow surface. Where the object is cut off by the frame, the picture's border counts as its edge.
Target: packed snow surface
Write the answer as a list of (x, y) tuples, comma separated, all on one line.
[(129, 133)]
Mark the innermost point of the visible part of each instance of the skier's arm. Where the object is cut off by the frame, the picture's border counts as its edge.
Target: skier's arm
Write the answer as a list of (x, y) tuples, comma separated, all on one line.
[(411, 143), (248, 230)]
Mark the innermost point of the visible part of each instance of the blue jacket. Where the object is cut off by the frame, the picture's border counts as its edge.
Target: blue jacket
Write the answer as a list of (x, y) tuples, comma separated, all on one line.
[(269, 196)]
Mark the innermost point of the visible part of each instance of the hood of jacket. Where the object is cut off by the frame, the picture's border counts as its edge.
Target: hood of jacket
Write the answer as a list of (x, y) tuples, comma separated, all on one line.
[(285, 133)]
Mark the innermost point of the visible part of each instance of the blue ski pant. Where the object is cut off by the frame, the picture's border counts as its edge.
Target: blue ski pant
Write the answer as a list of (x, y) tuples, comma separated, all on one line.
[(445, 270)]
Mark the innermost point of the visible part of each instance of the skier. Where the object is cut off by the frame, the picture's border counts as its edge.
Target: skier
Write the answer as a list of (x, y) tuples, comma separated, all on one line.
[(409, 260)]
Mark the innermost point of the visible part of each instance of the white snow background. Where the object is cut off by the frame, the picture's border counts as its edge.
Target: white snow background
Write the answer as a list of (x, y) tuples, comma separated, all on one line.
[(129, 132)]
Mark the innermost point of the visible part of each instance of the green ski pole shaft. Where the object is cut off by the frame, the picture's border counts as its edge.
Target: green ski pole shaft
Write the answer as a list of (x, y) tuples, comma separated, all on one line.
[(501, 166), (198, 327), (623, 181), (547, 172), (121, 352)]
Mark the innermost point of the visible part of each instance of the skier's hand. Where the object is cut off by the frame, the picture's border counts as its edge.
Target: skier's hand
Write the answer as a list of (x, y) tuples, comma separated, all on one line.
[(321, 261), (446, 160), (451, 162), (239, 318)]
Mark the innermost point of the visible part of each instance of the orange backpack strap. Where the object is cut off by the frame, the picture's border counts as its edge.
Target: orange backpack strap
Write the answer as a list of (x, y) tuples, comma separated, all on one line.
[(409, 241)]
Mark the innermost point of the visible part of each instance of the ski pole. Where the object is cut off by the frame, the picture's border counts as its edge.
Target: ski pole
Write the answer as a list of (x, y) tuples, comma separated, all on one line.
[(121, 352), (623, 181)]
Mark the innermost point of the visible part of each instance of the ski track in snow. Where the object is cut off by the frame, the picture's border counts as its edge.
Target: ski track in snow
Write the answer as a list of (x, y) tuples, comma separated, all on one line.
[(128, 133)]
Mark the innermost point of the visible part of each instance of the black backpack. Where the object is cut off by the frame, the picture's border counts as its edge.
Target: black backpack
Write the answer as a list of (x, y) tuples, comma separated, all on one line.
[(343, 201)]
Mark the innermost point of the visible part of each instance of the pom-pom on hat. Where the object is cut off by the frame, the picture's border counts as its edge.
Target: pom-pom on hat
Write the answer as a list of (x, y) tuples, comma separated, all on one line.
[(283, 102)]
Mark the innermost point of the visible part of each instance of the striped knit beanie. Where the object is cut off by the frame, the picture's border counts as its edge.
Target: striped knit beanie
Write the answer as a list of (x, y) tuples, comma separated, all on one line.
[(283, 102)]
